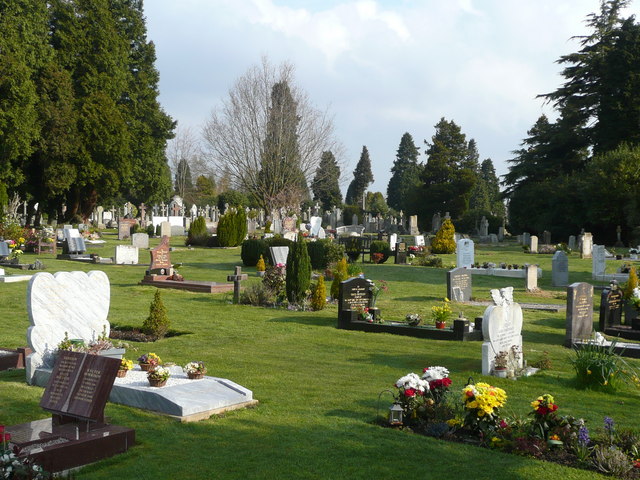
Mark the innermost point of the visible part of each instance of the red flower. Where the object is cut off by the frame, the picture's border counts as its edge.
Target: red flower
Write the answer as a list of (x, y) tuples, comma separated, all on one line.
[(410, 392), (542, 410), (7, 437), (1, 428), (503, 424), (419, 392), (469, 393), (636, 464), (425, 369), (553, 407)]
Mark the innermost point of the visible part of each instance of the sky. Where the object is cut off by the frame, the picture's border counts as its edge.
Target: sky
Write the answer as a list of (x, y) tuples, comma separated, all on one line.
[(381, 68)]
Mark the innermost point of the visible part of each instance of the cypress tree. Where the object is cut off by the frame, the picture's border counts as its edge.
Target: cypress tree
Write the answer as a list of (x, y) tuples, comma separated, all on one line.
[(362, 177), (298, 271), (325, 185), (405, 174)]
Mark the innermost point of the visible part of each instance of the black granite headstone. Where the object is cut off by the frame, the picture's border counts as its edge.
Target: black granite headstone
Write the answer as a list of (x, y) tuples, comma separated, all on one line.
[(355, 295), (459, 285), (401, 253), (610, 306), (579, 322)]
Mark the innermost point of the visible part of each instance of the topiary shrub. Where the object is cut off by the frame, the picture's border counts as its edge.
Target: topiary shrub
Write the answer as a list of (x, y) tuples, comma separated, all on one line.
[(158, 230), (352, 248), (298, 271), (232, 228), (445, 240), (157, 323), (631, 284), (339, 275), (378, 246), (198, 233), (317, 255), (319, 297), (251, 252)]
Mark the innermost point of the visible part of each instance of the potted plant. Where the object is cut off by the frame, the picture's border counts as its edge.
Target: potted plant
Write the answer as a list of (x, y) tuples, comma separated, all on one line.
[(148, 361), (500, 364), (260, 267), (440, 313), (195, 370), (158, 376), (413, 319), (125, 366)]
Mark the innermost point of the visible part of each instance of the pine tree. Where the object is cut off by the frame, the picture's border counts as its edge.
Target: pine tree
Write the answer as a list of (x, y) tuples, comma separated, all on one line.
[(298, 271), (325, 185), (362, 177), (405, 175), (157, 323)]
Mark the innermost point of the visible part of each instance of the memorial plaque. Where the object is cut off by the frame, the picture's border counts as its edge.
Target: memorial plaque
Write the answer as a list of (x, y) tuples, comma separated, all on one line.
[(126, 255), (610, 306), (80, 385), (4, 249), (464, 253), (140, 240), (160, 259), (579, 313), (459, 285)]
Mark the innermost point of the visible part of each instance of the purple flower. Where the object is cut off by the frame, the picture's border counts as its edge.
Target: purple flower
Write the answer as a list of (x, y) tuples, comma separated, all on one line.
[(583, 436), (608, 425)]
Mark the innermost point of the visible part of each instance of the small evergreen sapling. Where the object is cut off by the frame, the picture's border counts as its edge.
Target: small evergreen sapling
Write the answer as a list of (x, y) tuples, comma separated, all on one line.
[(319, 298), (445, 240), (339, 275), (157, 323)]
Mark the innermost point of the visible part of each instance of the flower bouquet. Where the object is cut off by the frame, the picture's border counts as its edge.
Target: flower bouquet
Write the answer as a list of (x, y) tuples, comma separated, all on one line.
[(440, 313), (148, 361), (482, 403), (158, 376), (195, 370), (439, 382), (413, 319), (125, 366), (411, 391)]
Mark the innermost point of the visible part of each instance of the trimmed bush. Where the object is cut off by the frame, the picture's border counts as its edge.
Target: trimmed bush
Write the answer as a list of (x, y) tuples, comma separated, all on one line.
[(317, 255), (445, 240), (378, 246), (352, 248), (334, 251), (157, 323), (319, 297), (252, 250), (158, 230), (339, 275), (151, 231), (232, 228), (631, 284), (198, 233), (298, 271)]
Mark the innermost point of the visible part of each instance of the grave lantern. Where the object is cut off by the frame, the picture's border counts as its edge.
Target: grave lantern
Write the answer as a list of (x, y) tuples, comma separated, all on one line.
[(395, 414)]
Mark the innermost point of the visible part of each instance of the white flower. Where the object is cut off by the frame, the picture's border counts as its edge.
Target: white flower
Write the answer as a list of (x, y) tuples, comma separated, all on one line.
[(435, 373), (412, 380), (636, 292)]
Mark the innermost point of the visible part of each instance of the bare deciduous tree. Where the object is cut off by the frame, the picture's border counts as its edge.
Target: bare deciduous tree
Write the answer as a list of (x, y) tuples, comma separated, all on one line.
[(236, 133)]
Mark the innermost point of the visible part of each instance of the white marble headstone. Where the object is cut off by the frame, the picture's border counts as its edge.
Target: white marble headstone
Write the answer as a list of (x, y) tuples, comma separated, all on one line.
[(419, 240), (126, 255), (501, 327), (393, 239), (598, 261), (316, 225), (72, 302), (465, 253)]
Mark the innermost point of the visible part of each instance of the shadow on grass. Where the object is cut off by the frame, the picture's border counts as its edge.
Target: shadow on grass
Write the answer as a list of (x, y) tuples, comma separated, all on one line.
[(424, 298), (546, 338), (313, 321)]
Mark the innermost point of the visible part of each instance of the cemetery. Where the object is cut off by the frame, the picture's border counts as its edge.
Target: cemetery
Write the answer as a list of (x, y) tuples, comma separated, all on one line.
[(262, 353)]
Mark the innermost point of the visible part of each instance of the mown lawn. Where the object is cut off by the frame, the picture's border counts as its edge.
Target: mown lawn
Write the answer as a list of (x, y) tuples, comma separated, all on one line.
[(318, 386)]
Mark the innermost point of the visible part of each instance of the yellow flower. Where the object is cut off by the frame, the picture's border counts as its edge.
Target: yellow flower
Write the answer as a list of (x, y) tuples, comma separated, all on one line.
[(554, 437), (588, 372)]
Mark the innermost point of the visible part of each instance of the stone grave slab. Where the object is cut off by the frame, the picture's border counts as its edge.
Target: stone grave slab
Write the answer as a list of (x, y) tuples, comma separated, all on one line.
[(393, 239), (579, 323), (501, 328), (459, 281), (401, 253), (533, 244), (4, 250), (531, 278), (165, 229), (126, 255), (124, 227), (316, 225), (611, 306)]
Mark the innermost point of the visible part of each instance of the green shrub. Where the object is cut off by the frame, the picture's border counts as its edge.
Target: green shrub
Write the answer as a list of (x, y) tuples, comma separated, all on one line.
[(631, 285), (298, 271), (157, 323), (158, 230), (232, 227), (198, 233), (260, 265), (378, 246), (267, 227), (258, 295), (252, 250), (599, 366), (347, 214), (339, 275), (352, 248), (319, 297), (445, 240), (151, 231), (333, 251), (317, 254), (428, 261)]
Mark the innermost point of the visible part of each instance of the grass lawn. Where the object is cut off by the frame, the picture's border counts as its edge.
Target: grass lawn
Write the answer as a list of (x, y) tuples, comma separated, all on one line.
[(317, 386)]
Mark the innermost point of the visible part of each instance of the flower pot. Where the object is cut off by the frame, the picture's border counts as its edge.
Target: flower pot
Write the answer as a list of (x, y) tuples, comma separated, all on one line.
[(157, 383), (500, 372), (195, 375), (260, 273), (145, 367), (122, 373), (440, 325)]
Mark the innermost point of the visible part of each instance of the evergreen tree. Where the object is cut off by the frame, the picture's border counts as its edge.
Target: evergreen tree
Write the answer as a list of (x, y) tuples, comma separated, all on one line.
[(405, 175), (325, 185), (447, 178), (444, 242), (362, 177), (376, 204), (492, 187), (298, 271)]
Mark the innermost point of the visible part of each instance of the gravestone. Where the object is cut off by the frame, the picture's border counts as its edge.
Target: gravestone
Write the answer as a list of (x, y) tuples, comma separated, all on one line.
[(73, 242), (500, 234), (413, 225), (160, 259), (610, 306), (289, 224), (579, 322), (316, 225), (165, 229), (572, 242), (4, 250), (598, 261), (393, 239), (435, 222), (493, 238), (401, 253), (419, 240), (546, 237), (236, 278), (140, 240), (178, 231), (465, 253), (526, 239), (279, 255), (533, 244), (531, 277), (124, 227), (126, 255), (501, 328), (73, 302), (459, 285), (290, 236), (586, 245), (484, 227), (355, 295), (559, 269)]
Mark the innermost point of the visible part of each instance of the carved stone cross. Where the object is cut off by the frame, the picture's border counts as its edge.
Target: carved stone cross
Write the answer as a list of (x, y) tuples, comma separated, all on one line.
[(236, 279)]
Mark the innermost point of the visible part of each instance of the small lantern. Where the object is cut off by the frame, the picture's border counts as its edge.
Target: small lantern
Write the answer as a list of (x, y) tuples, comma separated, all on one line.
[(395, 414)]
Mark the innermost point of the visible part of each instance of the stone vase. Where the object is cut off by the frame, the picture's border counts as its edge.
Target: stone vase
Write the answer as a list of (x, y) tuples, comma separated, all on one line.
[(500, 372)]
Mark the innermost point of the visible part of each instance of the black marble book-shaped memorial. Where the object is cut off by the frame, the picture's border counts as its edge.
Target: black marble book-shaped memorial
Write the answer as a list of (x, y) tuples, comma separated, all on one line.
[(76, 434)]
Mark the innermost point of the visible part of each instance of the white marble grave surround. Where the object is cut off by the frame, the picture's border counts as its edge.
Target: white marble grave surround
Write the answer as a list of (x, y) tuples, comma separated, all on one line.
[(72, 302), (501, 327), (126, 255)]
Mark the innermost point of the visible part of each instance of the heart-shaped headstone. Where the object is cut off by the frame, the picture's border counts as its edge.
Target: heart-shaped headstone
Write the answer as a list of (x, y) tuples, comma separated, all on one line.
[(72, 302)]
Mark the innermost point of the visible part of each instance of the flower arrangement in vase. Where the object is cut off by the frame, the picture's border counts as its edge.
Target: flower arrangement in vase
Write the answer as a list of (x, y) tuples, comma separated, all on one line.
[(125, 366), (158, 376), (440, 313), (500, 364), (195, 370), (413, 319), (148, 361)]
